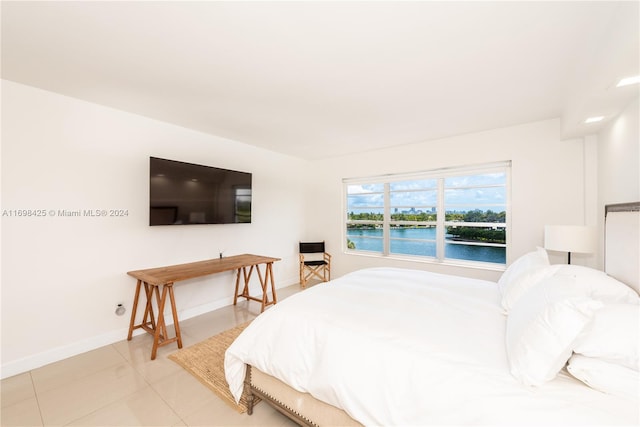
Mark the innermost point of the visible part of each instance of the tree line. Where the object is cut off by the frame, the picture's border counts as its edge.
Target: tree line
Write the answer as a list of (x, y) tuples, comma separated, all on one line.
[(475, 215), (477, 234)]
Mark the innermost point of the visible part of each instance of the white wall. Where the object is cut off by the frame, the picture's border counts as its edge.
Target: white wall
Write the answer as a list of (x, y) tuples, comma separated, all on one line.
[(619, 162), (63, 276), (547, 187), (619, 158)]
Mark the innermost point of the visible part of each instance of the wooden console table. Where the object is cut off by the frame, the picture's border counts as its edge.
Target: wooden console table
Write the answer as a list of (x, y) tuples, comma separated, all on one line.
[(159, 282)]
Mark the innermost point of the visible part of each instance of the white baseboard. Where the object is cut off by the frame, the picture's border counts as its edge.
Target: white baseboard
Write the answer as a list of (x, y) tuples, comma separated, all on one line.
[(28, 363)]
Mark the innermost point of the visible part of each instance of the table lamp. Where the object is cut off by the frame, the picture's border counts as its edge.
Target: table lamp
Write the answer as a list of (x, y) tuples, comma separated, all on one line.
[(570, 238)]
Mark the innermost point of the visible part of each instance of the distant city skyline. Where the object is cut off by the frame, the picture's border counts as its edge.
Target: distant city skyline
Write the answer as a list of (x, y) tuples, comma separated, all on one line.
[(461, 194)]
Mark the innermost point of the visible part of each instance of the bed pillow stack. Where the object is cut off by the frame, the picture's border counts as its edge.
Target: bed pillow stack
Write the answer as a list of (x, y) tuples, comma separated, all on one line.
[(606, 352), (554, 311)]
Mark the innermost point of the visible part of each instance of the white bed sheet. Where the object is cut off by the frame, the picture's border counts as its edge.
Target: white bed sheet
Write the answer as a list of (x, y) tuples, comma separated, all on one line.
[(400, 347)]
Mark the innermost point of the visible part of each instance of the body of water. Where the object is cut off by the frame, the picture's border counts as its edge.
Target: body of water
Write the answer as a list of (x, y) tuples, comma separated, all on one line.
[(371, 240)]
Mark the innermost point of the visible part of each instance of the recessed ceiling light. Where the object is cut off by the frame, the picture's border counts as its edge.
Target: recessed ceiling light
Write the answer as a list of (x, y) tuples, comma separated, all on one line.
[(594, 119), (628, 81)]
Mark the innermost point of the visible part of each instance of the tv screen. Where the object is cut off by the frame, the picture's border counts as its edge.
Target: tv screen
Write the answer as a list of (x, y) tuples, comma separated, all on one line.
[(185, 193)]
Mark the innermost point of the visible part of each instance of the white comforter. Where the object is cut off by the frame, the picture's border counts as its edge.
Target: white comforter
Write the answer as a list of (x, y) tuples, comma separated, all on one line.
[(400, 347)]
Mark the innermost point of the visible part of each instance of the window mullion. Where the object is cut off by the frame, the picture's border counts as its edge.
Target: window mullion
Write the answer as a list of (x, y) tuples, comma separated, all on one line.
[(440, 219), (386, 226)]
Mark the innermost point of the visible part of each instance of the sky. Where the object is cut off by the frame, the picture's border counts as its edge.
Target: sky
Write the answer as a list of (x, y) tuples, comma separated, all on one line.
[(461, 193)]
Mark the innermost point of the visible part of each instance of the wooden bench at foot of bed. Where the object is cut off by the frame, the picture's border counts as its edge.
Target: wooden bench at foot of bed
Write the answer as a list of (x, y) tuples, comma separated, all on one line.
[(302, 408)]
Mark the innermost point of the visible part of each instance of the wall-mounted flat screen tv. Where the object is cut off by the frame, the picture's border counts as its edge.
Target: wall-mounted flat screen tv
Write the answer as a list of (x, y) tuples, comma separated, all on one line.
[(185, 193)]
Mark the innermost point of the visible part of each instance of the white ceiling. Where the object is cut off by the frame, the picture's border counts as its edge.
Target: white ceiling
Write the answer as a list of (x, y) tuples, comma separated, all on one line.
[(322, 79)]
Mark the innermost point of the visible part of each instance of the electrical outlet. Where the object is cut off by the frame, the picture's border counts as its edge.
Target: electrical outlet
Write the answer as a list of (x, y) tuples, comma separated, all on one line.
[(120, 310)]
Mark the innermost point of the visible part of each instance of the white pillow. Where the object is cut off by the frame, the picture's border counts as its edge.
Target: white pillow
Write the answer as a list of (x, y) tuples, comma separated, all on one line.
[(606, 377), (541, 330), (521, 275), (595, 284), (613, 335)]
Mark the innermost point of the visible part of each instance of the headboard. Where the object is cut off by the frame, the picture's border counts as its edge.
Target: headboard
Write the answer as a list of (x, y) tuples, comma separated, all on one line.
[(622, 243)]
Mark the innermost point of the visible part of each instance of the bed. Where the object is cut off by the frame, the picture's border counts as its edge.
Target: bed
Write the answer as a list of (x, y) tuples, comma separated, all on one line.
[(545, 345)]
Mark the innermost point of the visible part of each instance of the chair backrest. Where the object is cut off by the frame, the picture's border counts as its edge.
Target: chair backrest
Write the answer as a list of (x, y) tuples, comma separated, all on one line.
[(311, 247)]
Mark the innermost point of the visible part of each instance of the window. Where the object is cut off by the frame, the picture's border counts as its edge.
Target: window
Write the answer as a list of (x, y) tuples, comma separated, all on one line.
[(456, 215)]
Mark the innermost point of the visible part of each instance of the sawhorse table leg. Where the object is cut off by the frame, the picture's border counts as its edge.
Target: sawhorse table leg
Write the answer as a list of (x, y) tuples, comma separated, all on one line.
[(264, 282), (157, 329), (150, 324)]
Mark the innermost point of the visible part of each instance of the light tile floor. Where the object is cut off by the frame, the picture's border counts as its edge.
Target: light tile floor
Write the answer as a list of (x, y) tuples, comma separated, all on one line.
[(118, 385)]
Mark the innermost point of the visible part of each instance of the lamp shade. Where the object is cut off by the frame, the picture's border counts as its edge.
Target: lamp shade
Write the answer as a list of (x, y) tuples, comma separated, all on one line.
[(570, 238)]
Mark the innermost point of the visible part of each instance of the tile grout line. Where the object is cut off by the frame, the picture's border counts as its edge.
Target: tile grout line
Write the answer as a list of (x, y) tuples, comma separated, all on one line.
[(159, 395), (124, 359), (35, 393), (128, 363)]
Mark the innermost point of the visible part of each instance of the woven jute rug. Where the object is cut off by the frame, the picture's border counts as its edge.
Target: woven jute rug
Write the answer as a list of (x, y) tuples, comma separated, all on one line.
[(205, 361)]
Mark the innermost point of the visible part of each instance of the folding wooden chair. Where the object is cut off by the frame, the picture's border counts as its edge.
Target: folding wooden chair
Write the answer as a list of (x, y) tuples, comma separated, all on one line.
[(314, 262)]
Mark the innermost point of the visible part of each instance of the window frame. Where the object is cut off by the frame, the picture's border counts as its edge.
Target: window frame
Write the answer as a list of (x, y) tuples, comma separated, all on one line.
[(441, 222)]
